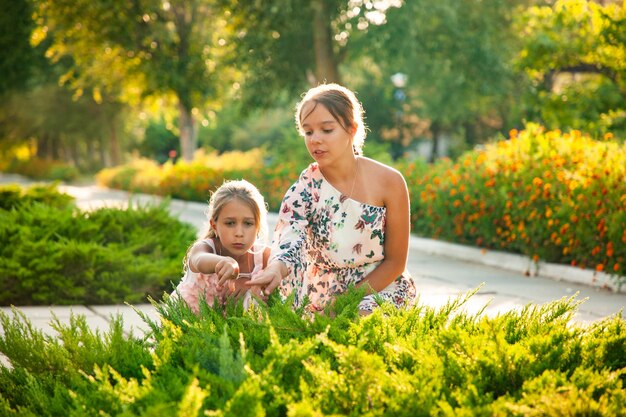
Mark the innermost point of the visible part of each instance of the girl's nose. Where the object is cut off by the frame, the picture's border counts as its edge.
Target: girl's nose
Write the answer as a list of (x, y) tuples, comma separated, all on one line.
[(316, 137)]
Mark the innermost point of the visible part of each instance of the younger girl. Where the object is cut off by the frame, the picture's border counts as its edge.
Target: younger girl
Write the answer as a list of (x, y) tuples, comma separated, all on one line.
[(230, 254)]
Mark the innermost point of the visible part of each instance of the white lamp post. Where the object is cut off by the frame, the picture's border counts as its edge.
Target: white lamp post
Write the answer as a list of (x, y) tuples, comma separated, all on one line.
[(399, 81)]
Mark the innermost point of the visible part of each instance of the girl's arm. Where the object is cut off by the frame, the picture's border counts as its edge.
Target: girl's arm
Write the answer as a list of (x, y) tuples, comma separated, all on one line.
[(240, 285), (289, 234), (202, 259), (397, 233)]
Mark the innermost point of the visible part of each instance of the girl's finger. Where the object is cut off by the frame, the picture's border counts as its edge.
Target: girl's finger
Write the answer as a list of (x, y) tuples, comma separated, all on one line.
[(271, 286), (260, 280)]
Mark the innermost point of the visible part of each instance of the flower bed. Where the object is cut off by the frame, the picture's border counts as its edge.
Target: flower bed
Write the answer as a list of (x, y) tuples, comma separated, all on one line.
[(553, 196)]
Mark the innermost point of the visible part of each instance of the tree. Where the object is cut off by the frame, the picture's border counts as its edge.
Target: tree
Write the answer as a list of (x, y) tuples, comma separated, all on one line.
[(130, 50), (16, 55), (456, 55), (34, 108), (573, 56), (284, 45)]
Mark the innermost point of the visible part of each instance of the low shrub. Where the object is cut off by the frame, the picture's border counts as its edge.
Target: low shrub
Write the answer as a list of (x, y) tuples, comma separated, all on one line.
[(54, 253), (194, 181), (43, 169), (552, 196), (189, 181), (420, 361), (14, 196)]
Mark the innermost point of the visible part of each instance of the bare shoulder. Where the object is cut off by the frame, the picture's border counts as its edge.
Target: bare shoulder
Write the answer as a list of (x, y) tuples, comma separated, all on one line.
[(201, 246), (382, 174)]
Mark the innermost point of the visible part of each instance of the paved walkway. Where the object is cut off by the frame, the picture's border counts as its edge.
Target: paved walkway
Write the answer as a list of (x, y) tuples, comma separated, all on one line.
[(443, 271)]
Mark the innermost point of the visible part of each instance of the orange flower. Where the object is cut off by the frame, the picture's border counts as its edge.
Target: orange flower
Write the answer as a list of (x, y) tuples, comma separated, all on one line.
[(548, 212), (600, 267)]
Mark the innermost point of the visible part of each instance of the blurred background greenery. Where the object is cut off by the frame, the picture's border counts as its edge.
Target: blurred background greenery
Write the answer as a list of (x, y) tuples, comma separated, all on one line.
[(506, 117), (89, 84)]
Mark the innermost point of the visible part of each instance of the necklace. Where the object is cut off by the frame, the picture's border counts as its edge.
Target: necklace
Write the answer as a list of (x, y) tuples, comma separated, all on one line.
[(356, 171)]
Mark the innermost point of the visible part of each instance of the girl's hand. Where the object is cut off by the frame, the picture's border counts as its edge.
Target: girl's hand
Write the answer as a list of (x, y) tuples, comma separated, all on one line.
[(226, 268), (270, 278), (258, 292), (237, 287)]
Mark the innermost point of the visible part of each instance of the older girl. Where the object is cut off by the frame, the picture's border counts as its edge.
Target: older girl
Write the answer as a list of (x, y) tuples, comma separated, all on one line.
[(346, 220)]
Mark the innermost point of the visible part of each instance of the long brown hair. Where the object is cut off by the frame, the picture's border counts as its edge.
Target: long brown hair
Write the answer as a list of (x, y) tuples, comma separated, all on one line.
[(342, 105)]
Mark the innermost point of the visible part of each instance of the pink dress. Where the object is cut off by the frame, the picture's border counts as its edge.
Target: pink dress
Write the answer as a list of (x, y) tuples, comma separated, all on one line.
[(195, 285)]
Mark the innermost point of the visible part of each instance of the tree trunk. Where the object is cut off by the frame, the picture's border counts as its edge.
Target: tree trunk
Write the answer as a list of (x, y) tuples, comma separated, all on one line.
[(325, 61), (114, 145), (104, 158), (435, 149), (188, 134), (43, 146)]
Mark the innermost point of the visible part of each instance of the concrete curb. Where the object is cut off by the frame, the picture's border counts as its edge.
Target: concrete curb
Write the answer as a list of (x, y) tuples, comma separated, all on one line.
[(517, 263)]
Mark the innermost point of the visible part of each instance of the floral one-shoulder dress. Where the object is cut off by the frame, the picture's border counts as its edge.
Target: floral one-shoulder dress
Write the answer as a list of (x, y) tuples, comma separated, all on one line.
[(329, 241)]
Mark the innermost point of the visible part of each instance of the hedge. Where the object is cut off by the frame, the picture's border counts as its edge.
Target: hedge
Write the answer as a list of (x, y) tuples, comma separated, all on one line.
[(54, 253), (272, 361)]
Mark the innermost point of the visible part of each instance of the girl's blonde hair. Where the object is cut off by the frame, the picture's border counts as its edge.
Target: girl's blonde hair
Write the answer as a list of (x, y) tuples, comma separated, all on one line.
[(245, 192), (342, 104)]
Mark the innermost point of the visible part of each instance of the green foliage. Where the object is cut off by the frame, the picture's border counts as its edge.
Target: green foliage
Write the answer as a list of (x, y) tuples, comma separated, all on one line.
[(572, 55), (53, 253), (271, 360), (456, 55), (158, 142), (43, 169), (16, 55), (13, 196)]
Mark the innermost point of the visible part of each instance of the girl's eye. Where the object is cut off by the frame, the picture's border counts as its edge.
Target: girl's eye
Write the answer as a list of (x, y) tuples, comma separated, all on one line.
[(327, 131), (308, 133), (249, 223)]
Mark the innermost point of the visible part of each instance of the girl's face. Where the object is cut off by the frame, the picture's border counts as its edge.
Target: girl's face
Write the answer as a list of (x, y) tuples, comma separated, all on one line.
[(236, 228), (326, 139)]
